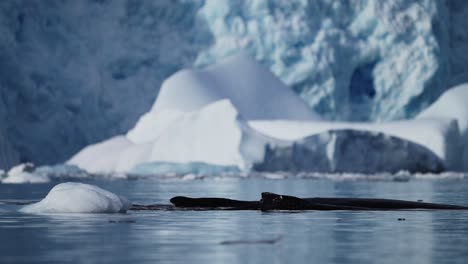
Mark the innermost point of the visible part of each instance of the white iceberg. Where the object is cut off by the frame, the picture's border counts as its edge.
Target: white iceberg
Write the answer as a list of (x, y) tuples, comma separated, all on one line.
[(216, 135), (216, 139), (254, 91), (28, 173), (453, 104), (24, 173), (224, 117), (78, 198), (103, 156)]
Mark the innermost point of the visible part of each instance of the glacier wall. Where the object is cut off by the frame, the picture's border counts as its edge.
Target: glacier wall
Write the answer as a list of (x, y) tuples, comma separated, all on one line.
[(76, 72), (350, 60)]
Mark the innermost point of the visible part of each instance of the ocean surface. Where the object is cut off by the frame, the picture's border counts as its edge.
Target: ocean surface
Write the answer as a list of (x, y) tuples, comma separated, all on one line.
[(241, 236)]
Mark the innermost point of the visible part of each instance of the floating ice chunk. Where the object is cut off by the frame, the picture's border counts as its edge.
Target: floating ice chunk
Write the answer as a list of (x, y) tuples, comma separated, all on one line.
[(62, 171), (24, 173), (166, 168), (78, 198)]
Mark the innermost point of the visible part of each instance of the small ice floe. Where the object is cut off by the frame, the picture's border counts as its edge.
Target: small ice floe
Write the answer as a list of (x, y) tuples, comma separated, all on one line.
[(73, 197), (24, 173)]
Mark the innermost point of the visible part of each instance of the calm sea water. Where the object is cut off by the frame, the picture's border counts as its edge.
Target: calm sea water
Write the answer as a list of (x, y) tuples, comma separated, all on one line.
[(242, 236)]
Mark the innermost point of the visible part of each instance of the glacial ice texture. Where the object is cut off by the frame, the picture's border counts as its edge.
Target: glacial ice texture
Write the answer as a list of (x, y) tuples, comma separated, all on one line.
[(71, 197), (77, 72), (351, 151)]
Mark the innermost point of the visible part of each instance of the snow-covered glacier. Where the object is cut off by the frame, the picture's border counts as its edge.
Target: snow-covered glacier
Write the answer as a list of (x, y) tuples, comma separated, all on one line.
[(77, 72)]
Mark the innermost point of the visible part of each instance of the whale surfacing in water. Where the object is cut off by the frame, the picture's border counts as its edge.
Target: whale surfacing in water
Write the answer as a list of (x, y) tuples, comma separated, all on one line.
[(272, 201)]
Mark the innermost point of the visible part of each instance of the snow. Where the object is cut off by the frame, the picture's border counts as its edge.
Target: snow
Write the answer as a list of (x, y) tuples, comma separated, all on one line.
[(243, 81), (78, 198), (453, 105), (238, 78), (103, 156)]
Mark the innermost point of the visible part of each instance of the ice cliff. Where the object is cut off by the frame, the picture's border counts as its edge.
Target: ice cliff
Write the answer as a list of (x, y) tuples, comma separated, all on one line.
[(77, 72)]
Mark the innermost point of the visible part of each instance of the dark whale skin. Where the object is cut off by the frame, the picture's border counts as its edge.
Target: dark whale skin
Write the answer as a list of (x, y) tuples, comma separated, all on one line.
[(187, 202), (272, 201)]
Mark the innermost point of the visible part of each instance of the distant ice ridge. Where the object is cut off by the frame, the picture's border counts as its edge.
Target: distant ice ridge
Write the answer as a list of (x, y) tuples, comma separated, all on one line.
[(195, 124), (78, 198)]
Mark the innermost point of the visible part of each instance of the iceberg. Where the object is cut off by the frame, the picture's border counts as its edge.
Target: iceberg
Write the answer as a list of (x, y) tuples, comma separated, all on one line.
[(104, 156), (242, 80), (203, 121), (239, 78), (453, 104), (216, 135), (24, 173), (29, 173), (72, 197), (351, 151), (438, 136), (174, 168)]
